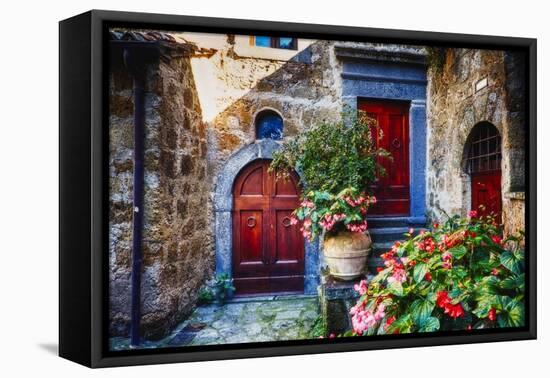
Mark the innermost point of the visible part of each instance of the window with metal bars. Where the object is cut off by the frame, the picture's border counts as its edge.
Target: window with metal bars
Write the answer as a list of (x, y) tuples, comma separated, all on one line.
[(484, 153)]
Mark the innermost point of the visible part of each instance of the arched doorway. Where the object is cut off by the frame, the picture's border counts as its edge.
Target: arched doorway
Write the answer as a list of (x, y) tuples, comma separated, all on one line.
[(268, 251), (483, 164)]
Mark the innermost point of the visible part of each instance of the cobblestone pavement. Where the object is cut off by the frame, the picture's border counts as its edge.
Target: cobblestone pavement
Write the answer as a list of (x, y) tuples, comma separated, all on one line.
[(243, 320)]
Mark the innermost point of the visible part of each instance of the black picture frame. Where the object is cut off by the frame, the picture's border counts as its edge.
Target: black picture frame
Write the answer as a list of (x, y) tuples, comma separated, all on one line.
[(83, 196)]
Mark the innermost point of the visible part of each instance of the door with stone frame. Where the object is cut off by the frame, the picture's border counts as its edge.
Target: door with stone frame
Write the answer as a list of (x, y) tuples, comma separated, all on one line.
[(268, 251), (391, 133), (484, 166)]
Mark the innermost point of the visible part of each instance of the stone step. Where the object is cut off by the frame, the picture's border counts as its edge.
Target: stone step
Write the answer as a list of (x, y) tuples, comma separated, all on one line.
[(384, 222), (392, 234), (378, 248)]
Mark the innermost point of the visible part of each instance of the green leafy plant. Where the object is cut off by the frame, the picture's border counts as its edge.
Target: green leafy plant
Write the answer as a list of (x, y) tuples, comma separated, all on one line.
[(217, 289), (333, 156), (338, 162), (457, 276), (205, 296), (321, 211)]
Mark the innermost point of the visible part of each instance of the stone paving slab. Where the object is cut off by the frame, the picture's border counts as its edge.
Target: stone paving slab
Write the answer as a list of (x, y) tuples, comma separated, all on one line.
[(244, 320)]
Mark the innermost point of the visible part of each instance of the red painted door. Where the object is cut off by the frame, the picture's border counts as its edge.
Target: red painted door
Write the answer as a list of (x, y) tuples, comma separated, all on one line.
[(268, 251), (486, 192), (392, 190)]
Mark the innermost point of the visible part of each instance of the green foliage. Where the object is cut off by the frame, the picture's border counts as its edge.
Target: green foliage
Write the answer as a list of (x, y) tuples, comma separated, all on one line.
[(205, 296), (333, 156), (216, 289), (458, 275), (319, 328)]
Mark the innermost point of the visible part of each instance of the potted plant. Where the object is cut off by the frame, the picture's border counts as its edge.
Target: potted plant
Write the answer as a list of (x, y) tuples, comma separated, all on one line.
[(338, 162)]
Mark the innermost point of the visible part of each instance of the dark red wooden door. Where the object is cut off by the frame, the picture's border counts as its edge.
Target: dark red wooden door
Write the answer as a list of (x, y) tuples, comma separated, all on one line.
[(484, 165), (392, 190), (268, 251), (486, 191)]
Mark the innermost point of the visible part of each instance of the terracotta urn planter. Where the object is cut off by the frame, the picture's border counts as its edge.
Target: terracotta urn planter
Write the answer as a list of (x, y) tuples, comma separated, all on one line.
[(346, 253)]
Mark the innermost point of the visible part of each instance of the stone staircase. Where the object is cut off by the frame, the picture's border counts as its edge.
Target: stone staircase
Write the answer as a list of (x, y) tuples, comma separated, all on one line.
[(385, 231)]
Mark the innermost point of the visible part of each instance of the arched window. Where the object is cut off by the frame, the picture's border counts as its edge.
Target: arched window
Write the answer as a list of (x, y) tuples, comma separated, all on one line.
[(269, 125), (483, 160), (484, 154)]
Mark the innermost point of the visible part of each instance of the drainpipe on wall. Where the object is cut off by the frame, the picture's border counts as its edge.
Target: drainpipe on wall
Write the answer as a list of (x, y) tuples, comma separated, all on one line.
[(137, 68)]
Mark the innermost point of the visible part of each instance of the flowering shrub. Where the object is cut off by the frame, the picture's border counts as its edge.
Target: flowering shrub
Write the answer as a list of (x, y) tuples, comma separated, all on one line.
[(458, 276), (321, 211), (333, 156)]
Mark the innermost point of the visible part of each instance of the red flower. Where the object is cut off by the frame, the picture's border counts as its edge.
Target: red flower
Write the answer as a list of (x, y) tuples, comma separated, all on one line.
[(454, 311), (389, 321), (492, 314), (473, 214), (379, 269), (428, 277), (495, 272), (436, 225), (497, 239), (442, 299)]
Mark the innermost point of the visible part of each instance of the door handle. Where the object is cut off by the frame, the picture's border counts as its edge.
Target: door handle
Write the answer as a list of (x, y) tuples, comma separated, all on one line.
[(396, 143)]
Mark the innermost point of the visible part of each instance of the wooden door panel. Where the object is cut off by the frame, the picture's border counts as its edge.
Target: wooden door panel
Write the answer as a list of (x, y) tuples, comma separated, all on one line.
[(486, 191), (287, 240), (392, 190), (253, 183), (268, 252), (251, 224)]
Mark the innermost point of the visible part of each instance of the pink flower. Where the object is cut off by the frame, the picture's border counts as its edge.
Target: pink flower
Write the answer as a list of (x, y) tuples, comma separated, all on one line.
[(379, 314), (357, 227), (398, 275), (361, 288), (307, 203), (446, 256), (446, 265), (293, 221), (473, 214)]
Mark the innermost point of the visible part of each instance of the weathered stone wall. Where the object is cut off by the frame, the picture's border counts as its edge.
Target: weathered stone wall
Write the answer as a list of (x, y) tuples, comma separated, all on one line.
[(454, 108), (177, 242), (304, 91)]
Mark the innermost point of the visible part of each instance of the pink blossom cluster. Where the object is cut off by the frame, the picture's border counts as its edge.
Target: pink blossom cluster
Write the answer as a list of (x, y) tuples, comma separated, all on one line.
[(361, 288), (362, 320), (398, 275), (360, 200), (447, 258), (330, 220), (307, 203), (357, 227), (306, 229)]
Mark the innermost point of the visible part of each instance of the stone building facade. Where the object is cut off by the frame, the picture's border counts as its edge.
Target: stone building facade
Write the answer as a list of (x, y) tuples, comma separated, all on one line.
[(456, 106), (176, 240), (204, 97)]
